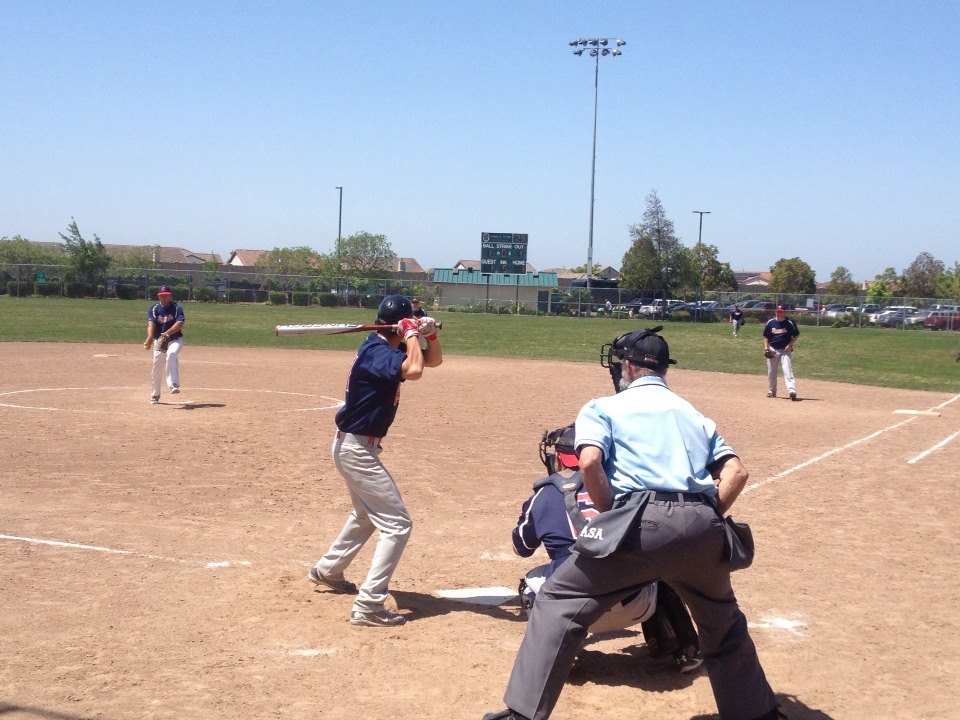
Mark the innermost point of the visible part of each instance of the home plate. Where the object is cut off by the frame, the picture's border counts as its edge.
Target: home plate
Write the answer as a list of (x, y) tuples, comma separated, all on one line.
[(480, 596), (916, 412)]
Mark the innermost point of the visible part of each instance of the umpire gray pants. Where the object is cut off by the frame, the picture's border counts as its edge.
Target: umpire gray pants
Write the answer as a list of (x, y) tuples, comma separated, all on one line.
[(680, 542), (377, 506)]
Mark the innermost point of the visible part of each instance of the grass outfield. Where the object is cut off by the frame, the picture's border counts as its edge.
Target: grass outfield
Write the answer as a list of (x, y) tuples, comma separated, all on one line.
[(914, 359)]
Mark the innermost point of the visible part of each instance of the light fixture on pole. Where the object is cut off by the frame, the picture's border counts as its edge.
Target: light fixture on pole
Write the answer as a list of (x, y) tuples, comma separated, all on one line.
[(701, 213), (596, 48)]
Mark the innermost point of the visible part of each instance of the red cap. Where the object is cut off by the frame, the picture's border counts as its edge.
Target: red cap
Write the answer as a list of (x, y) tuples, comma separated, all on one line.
[(780, 308), (164, 290)]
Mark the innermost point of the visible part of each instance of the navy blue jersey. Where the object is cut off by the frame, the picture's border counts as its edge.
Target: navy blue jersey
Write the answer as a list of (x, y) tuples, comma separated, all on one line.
[(544, 520), (737, 315), (373, 389), (780, 332), (166, 317)]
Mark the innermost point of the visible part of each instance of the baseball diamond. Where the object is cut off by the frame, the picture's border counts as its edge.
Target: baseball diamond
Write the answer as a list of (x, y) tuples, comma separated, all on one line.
[(128, 593)]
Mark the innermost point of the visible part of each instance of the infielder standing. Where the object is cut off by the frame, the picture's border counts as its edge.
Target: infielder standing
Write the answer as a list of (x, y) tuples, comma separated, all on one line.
[(165, 318), (385, 359), (779, 336)]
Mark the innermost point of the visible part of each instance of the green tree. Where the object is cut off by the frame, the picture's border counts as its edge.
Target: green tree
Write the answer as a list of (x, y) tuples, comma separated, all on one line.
[(920, 277), (144, 256), (20, 251), (583, 268), (655, 260), (640, 270), (879, 291), (948, 284), (707, 272), (291, 261), (363, 255), (792, 276), (20, 258), (87, 261), (842, 282)]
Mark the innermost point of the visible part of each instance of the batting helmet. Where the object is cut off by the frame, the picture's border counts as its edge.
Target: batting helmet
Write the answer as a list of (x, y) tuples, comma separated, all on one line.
[(393, 309)]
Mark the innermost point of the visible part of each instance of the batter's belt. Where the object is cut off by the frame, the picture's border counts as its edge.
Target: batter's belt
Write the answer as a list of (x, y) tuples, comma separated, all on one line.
[(372, 440)]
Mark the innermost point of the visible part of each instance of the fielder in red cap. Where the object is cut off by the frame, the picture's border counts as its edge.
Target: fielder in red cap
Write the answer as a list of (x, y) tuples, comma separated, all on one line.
[(779, 336), (165, 322)]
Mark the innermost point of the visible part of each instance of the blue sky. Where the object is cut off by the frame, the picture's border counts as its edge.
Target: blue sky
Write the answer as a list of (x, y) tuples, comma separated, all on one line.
[(828, 131)]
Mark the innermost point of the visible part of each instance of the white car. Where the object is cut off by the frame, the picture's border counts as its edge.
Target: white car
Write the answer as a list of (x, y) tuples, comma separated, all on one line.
[(895, 315)]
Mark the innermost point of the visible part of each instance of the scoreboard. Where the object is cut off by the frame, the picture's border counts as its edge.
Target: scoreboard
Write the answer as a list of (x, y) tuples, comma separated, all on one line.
[(503, 252)]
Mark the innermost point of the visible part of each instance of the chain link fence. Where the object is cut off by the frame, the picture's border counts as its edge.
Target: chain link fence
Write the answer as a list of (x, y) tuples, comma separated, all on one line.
[(252, 285)]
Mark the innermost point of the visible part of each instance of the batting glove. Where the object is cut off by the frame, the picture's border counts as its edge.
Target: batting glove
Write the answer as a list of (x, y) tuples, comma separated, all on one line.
[(408, 328), (428, 328)]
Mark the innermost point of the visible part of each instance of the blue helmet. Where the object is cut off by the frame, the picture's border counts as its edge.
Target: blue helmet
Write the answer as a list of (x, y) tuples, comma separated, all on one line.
[(393, 309)]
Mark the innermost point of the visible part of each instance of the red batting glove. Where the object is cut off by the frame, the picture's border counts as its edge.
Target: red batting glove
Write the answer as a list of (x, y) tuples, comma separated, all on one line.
[(428, 328), (408, 328)]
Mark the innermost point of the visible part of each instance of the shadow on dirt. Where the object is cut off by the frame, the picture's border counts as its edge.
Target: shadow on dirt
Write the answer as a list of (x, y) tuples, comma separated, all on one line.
[(793, 708)]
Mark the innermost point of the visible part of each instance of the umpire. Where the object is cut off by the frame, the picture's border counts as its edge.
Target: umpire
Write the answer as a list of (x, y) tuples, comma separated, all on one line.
[(662, 475)]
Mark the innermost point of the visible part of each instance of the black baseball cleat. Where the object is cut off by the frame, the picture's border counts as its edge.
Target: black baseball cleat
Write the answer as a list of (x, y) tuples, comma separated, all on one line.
[(793, 396)]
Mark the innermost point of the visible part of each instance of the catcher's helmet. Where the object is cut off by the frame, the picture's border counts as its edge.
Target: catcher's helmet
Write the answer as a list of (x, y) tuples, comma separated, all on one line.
[(641, 347), (559, 442), (393, 309)]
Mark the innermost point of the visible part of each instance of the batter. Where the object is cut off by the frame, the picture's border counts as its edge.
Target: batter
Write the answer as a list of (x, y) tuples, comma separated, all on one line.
[(385, 359)]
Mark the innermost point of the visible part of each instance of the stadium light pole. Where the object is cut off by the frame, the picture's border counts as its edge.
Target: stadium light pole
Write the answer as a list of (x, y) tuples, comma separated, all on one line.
[(339, 221), (596, 48), (701, 213)]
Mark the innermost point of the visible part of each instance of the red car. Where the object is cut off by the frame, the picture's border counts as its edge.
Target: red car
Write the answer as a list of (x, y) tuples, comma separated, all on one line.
[(942, 320)]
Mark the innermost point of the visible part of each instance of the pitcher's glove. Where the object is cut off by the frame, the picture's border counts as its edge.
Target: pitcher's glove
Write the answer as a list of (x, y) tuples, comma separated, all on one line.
[(769, 353), (160, 343)]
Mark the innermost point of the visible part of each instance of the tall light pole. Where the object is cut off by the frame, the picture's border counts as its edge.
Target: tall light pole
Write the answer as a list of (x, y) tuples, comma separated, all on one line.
[(701, 213), (596, 48), (339, 221)]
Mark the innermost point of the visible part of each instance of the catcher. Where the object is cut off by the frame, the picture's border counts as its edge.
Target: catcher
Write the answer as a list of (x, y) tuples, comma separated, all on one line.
[(553, 516), (165, 321)]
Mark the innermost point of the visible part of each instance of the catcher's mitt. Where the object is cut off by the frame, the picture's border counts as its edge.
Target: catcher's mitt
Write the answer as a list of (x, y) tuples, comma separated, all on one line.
[(769, 353), (160, 343)]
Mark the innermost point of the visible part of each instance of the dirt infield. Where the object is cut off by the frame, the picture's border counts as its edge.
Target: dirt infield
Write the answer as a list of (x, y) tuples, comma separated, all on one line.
[(152, 558)]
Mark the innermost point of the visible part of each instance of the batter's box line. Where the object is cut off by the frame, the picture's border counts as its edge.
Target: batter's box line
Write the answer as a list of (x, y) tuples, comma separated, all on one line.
[(117, 551)]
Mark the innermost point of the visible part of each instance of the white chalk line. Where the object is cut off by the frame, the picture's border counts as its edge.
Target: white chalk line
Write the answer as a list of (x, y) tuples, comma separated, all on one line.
[(921, 456), (116, 551), (841, 448), (336, 403)]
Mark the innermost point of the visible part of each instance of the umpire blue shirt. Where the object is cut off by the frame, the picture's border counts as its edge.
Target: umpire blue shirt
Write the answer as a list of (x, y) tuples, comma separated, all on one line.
[(636, 430)]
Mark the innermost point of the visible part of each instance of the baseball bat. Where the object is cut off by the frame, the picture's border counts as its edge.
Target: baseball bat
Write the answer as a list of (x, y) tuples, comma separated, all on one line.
[(332, 328)]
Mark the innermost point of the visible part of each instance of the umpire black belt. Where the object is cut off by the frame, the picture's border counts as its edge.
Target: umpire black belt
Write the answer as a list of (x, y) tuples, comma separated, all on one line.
[(679, 497)]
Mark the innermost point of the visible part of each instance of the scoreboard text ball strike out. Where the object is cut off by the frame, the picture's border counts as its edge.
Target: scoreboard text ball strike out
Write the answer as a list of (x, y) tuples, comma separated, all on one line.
[(503, 252)]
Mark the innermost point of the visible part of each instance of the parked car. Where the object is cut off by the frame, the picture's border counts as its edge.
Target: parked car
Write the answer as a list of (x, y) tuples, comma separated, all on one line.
[(942, 320), (894, 316), (834, 310), (917, 318)]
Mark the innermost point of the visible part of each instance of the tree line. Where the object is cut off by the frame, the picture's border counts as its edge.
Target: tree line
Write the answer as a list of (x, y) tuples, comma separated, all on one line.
[(357, 258), (658, 259)]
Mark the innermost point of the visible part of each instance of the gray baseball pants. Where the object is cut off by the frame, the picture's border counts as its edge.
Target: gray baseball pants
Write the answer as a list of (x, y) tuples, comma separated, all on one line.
[(680, 542), (377, 506), (784, 359)]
